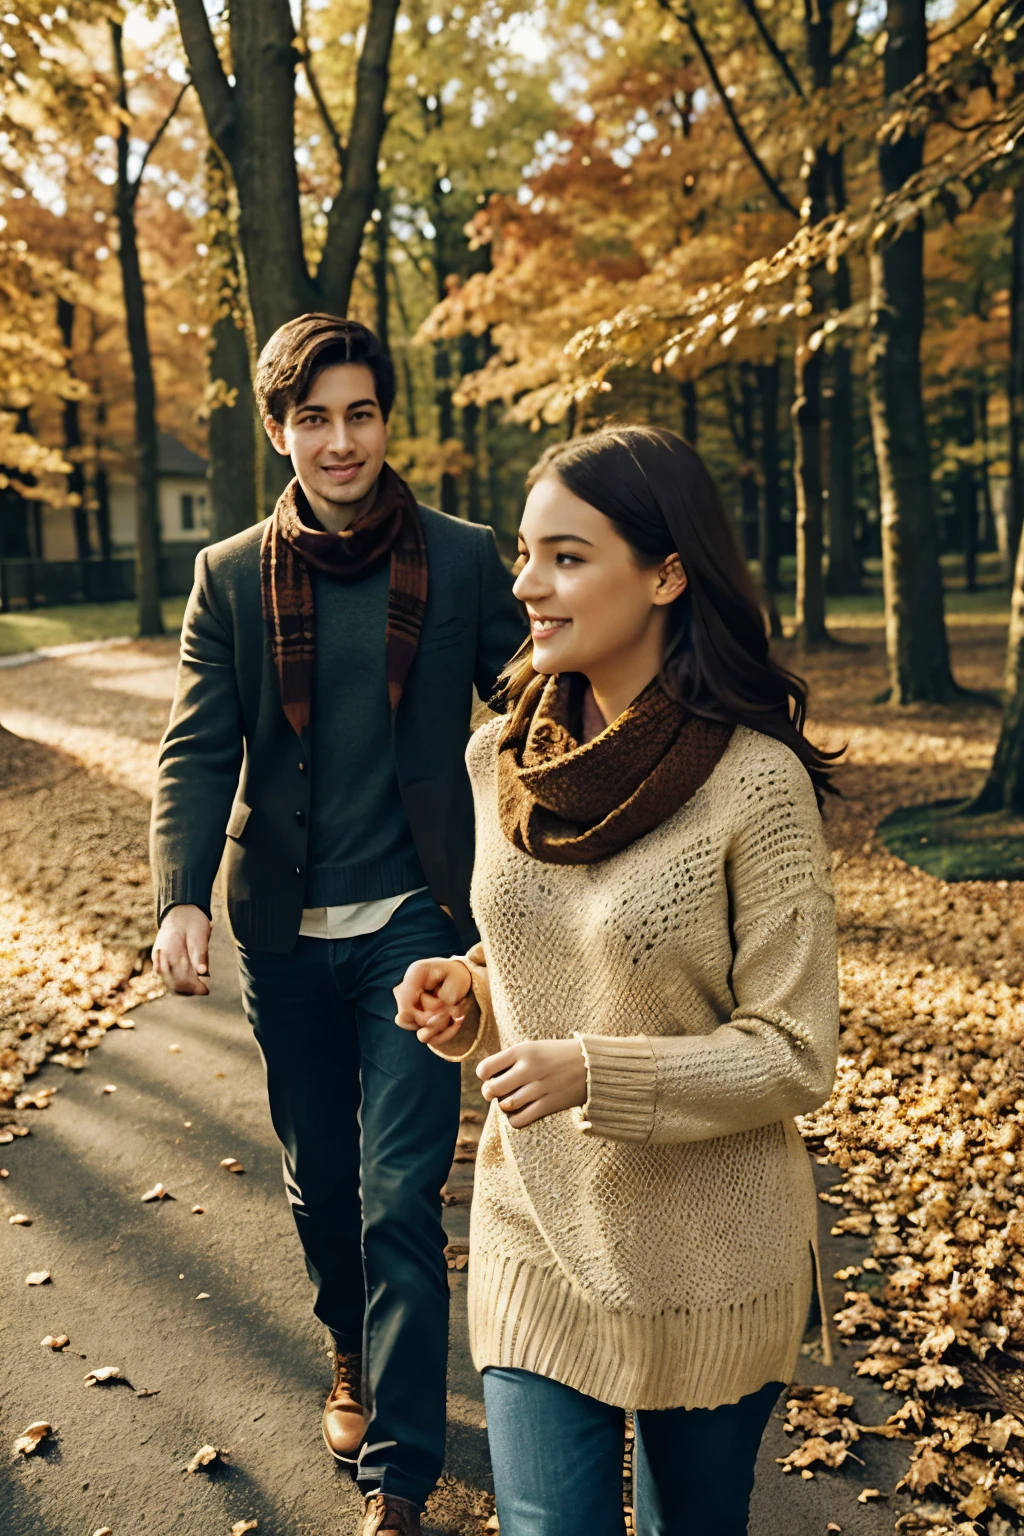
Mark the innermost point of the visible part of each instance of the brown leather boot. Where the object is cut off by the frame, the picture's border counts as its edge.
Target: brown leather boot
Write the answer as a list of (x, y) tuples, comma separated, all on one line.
[(383, 1513), (345, 1419)]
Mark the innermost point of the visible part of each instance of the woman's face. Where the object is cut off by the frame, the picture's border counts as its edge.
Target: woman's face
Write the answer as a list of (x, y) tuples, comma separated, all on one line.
[(591, 606)]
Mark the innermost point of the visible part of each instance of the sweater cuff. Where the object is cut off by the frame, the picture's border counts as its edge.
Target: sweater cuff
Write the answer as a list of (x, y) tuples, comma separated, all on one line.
[(621, 1087)]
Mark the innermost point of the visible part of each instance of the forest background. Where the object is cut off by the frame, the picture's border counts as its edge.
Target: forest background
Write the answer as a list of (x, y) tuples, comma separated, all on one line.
[(792, 230)]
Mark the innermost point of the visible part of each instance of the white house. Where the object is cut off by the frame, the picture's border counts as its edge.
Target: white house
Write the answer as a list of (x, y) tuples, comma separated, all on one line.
[(184, 499)]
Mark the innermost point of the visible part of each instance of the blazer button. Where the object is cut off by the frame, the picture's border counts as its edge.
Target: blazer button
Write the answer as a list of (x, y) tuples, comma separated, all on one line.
[(300, 816), (302, 767), (298, 871)]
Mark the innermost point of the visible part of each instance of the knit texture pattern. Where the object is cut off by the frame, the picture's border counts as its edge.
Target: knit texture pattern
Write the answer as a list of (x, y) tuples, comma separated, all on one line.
[(653, 1249)]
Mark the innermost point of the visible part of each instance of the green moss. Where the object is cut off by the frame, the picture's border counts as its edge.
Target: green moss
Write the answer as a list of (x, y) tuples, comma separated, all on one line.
[(30, 629), (949, 842)]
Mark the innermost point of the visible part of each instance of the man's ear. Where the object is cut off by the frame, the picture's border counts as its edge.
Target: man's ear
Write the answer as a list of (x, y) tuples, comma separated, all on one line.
[(275, 431)]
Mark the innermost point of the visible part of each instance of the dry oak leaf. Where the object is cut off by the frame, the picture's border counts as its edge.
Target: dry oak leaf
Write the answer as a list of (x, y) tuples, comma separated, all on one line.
[(38, 1277), (925, 1469), (104, 1530), (869, 1493), (55, 1341), (231, 1164), (103, 1373), (158, 1192), (205, 1456), (19, 1220), (831, 1453), (31, 1438), (241, 1526)]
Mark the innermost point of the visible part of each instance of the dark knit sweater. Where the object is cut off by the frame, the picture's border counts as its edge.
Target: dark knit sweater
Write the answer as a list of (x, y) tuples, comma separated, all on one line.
[(360, 844)]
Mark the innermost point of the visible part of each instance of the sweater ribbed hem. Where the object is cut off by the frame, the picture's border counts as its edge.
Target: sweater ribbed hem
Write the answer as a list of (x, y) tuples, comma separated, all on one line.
[(531, 1319), (342, 885), (621, 1080)]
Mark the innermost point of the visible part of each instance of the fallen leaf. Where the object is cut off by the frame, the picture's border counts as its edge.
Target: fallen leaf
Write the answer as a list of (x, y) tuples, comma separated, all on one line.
[(832, 1526), (56, 1341), (869, 1493), (241, 1526), (110, 1088), (125, 1023), (5, 1173), (232, 1165), (38, 1100), (104, 1530), (103, 1373), (31, 1438), (38, 1277), (206, 1455), (203, 1296), (20, 1221), (199, 1210), (174, 1049), (157, 1193), (147, 1392)]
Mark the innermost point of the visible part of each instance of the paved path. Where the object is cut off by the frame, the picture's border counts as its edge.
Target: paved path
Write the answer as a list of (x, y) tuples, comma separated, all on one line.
[(244, 1367)]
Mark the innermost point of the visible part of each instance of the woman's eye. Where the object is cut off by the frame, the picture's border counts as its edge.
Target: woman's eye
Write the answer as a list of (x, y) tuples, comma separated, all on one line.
[(572, 559)]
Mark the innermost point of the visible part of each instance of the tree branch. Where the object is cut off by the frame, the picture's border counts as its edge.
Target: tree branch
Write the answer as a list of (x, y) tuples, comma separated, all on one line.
[(751, 8), (354, 203), (216, 96), (133, 190), (689, 21), (318, 95)]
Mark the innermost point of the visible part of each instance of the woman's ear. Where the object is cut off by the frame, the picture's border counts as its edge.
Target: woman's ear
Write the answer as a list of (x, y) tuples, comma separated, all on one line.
[(671, 580)]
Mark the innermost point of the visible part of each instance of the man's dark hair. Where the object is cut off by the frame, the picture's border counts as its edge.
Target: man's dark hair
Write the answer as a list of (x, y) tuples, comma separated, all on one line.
[(302, 348)]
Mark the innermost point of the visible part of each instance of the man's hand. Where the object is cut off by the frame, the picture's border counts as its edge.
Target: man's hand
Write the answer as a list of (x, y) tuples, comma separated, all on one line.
[(181, 951), (429, 997), (535, 1078)]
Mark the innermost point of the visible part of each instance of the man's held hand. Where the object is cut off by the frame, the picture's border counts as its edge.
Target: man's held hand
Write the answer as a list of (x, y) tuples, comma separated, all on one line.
[(429, 997), (182, 949)]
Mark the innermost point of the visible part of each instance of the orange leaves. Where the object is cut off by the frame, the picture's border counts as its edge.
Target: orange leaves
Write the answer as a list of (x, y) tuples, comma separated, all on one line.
[(31, 1438)]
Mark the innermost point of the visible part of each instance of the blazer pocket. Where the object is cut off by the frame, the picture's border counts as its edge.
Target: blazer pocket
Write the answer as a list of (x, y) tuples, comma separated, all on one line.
[(238, 818)]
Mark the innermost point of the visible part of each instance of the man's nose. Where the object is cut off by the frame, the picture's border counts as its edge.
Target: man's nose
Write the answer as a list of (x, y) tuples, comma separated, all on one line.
[(341, 437)]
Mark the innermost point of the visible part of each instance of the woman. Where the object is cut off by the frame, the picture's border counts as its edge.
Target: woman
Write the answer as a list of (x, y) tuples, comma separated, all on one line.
[(655, 998)]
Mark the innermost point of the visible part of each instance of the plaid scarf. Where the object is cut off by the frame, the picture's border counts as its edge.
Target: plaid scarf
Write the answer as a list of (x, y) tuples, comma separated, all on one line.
[(293, 541), (564, 803)]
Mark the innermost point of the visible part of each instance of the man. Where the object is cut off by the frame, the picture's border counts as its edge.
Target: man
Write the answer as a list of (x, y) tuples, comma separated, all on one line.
[(328, 659)]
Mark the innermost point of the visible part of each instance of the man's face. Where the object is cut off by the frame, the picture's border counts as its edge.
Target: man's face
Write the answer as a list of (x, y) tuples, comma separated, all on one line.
[(336, 438)]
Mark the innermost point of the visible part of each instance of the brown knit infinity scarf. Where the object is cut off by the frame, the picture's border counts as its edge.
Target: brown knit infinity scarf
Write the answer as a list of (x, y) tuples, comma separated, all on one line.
[(569, 804), (293, 541)]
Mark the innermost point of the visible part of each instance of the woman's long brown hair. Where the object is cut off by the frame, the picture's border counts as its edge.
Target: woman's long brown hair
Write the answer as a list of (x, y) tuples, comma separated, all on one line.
[(658, 493)]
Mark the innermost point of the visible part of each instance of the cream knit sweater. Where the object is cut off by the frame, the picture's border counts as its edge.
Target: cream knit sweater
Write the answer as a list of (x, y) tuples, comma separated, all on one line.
[(653, 1249)]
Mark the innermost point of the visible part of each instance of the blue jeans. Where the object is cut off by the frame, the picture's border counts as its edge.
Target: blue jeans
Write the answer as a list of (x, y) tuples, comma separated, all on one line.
[(368, 1117), (557, 1459)]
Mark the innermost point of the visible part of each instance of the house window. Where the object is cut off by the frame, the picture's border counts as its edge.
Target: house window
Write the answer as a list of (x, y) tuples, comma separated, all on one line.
[(188, 512)]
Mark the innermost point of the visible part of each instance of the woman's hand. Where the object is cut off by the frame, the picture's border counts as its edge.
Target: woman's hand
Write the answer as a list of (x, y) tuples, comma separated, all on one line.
[(429, 997), (535, 1078)]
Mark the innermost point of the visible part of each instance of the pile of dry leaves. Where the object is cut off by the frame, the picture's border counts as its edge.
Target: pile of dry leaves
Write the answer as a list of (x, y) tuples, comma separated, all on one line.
[(75, 894), (927, 1120)]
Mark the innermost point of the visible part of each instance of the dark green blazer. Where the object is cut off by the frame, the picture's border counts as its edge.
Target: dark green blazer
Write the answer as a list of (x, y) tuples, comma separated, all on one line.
[(231, 767)]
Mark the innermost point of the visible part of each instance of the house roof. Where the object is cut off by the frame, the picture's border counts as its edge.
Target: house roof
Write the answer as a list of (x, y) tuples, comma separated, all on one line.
[(173, 458)]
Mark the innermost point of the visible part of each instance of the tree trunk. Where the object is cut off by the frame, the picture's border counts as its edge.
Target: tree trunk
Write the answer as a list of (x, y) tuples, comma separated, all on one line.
[(807, 382), (147, 507), (1015, 388), (445, 421), (915, 627), (470, 431), (73, 438), (770, 511), (1004, 787), (382, 305), (234, 433), (844, 565), (965, 485), (688, 396), (250, 116)]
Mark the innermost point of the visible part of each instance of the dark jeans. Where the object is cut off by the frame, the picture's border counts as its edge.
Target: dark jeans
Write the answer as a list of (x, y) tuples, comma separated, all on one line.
[(368, 1119), (557, 1459)]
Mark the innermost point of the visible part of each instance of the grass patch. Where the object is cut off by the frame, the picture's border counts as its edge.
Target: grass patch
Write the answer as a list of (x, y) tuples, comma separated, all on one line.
[(947, 842), (29, 630)]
